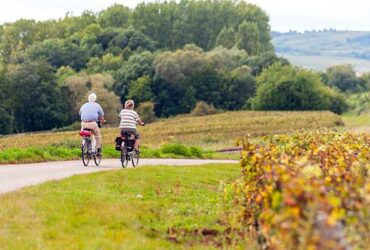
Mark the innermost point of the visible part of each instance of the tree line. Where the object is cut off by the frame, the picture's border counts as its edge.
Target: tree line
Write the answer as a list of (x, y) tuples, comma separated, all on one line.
[(167, 56)]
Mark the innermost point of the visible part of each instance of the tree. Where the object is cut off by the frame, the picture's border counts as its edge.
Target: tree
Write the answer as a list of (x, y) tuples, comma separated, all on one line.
[(36, 98), (108, 63), (248, 37), (133, 40), (106, 36), (173, 24), (5, 121), (172, 98), (114, 16), (58, 53), (343, 77), (283, 87), (140, 90), (238, 87), (207, 83), (137, 66), (263, 61), (82, 84), (224, 59), (226, 38)]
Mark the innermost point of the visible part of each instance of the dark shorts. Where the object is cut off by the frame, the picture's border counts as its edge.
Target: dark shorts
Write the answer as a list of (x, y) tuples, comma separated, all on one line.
[(130, 131)]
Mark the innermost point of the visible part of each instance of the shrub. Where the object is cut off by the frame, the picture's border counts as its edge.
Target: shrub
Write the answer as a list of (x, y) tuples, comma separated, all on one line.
[(203, 108), (146, 112), (176, 149)]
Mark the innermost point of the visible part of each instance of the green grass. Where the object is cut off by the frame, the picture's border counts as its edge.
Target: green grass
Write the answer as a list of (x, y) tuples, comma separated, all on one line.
[(132, 209), (360, 123), (71, 152)]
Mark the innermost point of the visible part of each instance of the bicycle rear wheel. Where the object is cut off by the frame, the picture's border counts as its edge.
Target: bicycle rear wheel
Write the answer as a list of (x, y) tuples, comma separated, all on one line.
[(135, 159), (124, 157), (85, 153), (97, 160)]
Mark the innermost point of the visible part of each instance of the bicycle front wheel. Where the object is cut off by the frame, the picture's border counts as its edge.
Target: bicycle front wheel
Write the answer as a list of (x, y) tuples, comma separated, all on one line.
[(85, 153)]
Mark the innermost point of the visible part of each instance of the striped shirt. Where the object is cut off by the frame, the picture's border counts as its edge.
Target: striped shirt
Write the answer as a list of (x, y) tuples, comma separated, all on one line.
[(129, 118)]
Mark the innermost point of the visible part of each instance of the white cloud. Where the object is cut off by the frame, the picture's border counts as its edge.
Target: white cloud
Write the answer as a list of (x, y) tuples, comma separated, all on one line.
[(284, 14), (53, 9)]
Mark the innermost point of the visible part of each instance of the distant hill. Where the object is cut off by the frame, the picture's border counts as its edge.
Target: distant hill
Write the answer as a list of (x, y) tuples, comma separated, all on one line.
[(321, 49)]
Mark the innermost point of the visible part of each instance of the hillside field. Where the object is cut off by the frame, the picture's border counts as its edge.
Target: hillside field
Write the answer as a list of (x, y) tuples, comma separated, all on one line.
[(321, 49), (212, 132), (179, 137), (322, 62)]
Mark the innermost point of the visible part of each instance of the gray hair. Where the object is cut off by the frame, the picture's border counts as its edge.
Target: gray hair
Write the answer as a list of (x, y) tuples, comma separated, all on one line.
[(92, 97), (129, 104)]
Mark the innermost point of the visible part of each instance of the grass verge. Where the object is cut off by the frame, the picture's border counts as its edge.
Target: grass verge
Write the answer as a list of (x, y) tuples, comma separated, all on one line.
[(73, 152), (157, 207)]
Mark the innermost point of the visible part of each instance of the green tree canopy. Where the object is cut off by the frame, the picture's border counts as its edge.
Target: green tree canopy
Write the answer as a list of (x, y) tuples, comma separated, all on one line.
[(283, 87), (36, 98), (137, 66), (114, 16), (343, 77), (248, 38), (226, 38), (58, 53)]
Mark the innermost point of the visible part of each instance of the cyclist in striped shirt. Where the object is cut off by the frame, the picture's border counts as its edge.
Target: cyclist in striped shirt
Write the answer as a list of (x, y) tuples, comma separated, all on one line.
[(129, 120)]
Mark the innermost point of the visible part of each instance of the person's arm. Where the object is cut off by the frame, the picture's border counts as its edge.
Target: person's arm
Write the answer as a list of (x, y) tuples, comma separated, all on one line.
[(101, 114), (138, 120), (102, 119)]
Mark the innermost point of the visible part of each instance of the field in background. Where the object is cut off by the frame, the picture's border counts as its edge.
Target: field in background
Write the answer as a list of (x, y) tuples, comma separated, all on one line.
[(321, 49), (154, 207), (322, 62), (210, 132)]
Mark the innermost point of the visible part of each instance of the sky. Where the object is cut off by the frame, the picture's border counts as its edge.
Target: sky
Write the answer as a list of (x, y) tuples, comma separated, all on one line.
[(285, 15)]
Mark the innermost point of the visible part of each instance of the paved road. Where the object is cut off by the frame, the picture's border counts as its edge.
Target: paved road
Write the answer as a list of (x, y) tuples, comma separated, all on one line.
[(13, 177)]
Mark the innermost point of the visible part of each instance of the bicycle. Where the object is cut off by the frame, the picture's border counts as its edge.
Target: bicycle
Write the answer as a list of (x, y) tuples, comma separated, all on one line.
[(125, 144), (88, 148)]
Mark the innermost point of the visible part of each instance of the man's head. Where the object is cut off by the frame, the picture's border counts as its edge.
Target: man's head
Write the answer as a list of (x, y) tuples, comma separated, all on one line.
[(92, 97), (129, 104)]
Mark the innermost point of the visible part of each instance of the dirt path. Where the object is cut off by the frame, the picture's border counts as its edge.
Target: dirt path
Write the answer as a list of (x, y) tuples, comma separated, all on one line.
[(13, 177)]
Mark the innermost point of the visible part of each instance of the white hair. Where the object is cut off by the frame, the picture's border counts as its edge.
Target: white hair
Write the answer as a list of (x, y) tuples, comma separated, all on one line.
[(129, 104), (92, 97)]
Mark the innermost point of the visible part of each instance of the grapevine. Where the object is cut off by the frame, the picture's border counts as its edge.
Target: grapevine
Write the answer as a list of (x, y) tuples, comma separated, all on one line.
[(305, 190)]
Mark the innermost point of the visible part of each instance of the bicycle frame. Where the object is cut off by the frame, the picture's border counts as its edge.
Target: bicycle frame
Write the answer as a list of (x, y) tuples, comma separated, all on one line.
[(91, 143)]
